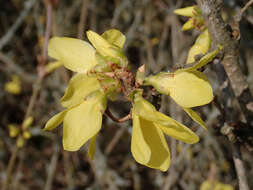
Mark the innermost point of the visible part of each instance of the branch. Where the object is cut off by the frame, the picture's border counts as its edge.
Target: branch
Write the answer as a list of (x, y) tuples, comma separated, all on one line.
[(244, 9), (7, 37), (11, 67), (222, 34), (52, 168), (83, 18), (240, 169)]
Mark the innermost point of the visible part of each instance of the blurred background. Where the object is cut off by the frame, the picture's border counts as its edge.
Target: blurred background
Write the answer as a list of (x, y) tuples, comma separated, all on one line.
[(32, 158)]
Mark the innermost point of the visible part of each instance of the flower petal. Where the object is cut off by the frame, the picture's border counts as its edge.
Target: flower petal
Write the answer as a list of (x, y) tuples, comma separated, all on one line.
[(50, 67), (178, 131), (171, 127), (114, 37), (203, 61), (188, 25), (188, 11), (79, 87), (139, 148), (147, 111), (101, 45), (75, 54), (143, 108), (81, 123), (195, 117), (92, 147), (190, 89), (55, 120), (201, 46), (152, 150)]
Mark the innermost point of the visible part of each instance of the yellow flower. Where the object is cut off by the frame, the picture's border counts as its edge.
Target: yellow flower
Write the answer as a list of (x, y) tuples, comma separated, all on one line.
[(76, 55), (195, 18), (187, 88), (80, 86), (80, 56), (148, 144), (27, 122), (81, 121), (14, 86), (203, 61), (13, 130), (188, 11), (201, 46), (188, 25)]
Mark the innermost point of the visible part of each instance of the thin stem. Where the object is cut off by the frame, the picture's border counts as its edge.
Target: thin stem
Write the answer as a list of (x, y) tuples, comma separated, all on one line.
[(121, 120), (10, 167), (83, 16), (49, 8), (246, 7), (52, 168), (115, 140), (21, 18)]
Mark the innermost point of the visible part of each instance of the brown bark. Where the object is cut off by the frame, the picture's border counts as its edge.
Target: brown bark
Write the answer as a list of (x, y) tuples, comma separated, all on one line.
[(222, 34)]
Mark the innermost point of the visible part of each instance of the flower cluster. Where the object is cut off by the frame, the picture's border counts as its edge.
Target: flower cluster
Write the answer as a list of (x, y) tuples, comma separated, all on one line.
[(102, 73), (203, 42)]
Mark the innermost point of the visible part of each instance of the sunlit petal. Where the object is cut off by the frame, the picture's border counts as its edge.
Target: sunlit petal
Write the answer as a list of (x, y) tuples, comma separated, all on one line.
[(203, 61), (195, 116), (190, 89), (139, 148), (56, 120), (154, 141), (81, 123), (188, 11), (75, 54), (188, 25), (178, 131), (92, 147), (101, 45), (201, 46), (79, 87), (114, 37)]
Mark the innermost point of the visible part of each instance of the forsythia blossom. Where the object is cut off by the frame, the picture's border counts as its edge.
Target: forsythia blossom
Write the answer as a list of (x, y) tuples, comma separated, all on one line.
[(203, 42), (14, 86), (148, 144), (102, 73)]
